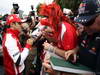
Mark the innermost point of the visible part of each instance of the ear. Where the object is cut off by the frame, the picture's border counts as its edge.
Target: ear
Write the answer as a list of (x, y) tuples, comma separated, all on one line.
[(98, 20)]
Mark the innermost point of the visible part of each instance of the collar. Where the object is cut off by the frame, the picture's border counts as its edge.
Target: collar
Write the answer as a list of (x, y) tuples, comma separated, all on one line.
[(14, 32)]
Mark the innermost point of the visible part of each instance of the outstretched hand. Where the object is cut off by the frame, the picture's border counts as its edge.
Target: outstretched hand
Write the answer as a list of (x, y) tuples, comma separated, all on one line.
[(30, 41), (70, 53)]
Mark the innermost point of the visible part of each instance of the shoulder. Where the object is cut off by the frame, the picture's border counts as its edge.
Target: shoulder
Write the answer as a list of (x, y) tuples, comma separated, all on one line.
[(10, 39), (65, 23)]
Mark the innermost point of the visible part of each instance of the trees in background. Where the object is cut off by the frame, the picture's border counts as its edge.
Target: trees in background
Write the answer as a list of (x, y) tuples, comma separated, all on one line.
[(70, 4)]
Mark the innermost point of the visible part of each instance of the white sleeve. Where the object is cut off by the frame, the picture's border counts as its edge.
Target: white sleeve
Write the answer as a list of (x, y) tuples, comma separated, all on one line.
[(14, 51), (38, 30), (24, 55), (40, 26)]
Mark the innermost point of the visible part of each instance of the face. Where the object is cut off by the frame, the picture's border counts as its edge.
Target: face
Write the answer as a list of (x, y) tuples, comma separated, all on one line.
[(25, 26), (80, 29), (17, 26), (96, 24), (95, 27)]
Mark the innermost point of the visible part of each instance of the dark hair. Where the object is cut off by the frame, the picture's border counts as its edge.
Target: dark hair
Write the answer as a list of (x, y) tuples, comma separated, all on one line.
[(29, 20), (32, 13), (5, 27), (16, 7), (5, 17)]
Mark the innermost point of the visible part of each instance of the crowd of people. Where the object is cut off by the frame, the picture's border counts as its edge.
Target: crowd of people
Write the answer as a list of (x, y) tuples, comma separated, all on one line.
[(54, 34)]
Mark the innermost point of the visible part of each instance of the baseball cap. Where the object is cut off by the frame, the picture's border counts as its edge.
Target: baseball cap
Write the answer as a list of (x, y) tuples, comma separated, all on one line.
[(88, 10), (13, 18)]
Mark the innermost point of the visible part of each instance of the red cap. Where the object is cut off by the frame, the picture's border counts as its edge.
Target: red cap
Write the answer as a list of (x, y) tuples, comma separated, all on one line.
[(13, 18)]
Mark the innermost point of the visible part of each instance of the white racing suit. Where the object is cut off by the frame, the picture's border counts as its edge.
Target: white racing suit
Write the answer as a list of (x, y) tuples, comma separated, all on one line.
[(14, 54)]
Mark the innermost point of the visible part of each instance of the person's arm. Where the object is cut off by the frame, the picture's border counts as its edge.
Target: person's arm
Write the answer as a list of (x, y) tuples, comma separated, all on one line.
[(14, 51), (65, 54), (26, 50), (60, 52)]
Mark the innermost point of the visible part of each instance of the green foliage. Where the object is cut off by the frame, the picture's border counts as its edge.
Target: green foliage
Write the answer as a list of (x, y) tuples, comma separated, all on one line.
[(70, 4), (38, 8)]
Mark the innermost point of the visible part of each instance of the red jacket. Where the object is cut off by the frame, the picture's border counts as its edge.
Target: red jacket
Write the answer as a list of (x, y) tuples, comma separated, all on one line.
[(13, 53), (67, 39)]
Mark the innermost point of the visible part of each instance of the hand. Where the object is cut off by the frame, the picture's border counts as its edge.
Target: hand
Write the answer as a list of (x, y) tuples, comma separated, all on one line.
[(47, 67), (71, 53), (30, 41), (44, 33), (48, 29), (1, 50), (47, 45)]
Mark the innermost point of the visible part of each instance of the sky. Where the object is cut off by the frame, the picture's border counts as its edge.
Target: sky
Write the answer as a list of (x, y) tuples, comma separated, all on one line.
[(25, 5)]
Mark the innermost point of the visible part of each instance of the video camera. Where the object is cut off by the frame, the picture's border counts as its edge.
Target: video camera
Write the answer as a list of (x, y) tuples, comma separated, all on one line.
[(16, 7)]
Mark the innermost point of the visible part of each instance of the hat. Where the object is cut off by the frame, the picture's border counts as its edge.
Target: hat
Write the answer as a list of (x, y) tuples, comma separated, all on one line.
[(88, 9), (12, 18)]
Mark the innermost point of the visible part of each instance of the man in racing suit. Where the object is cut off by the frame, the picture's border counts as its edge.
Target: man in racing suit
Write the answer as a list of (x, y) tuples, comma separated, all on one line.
[(14, 54)]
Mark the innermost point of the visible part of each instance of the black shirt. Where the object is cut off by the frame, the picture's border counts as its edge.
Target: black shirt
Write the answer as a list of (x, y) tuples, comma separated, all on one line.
[(89, 53)]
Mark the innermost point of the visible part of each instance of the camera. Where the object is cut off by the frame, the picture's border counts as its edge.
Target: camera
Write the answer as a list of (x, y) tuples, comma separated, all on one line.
[(16, 7)]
